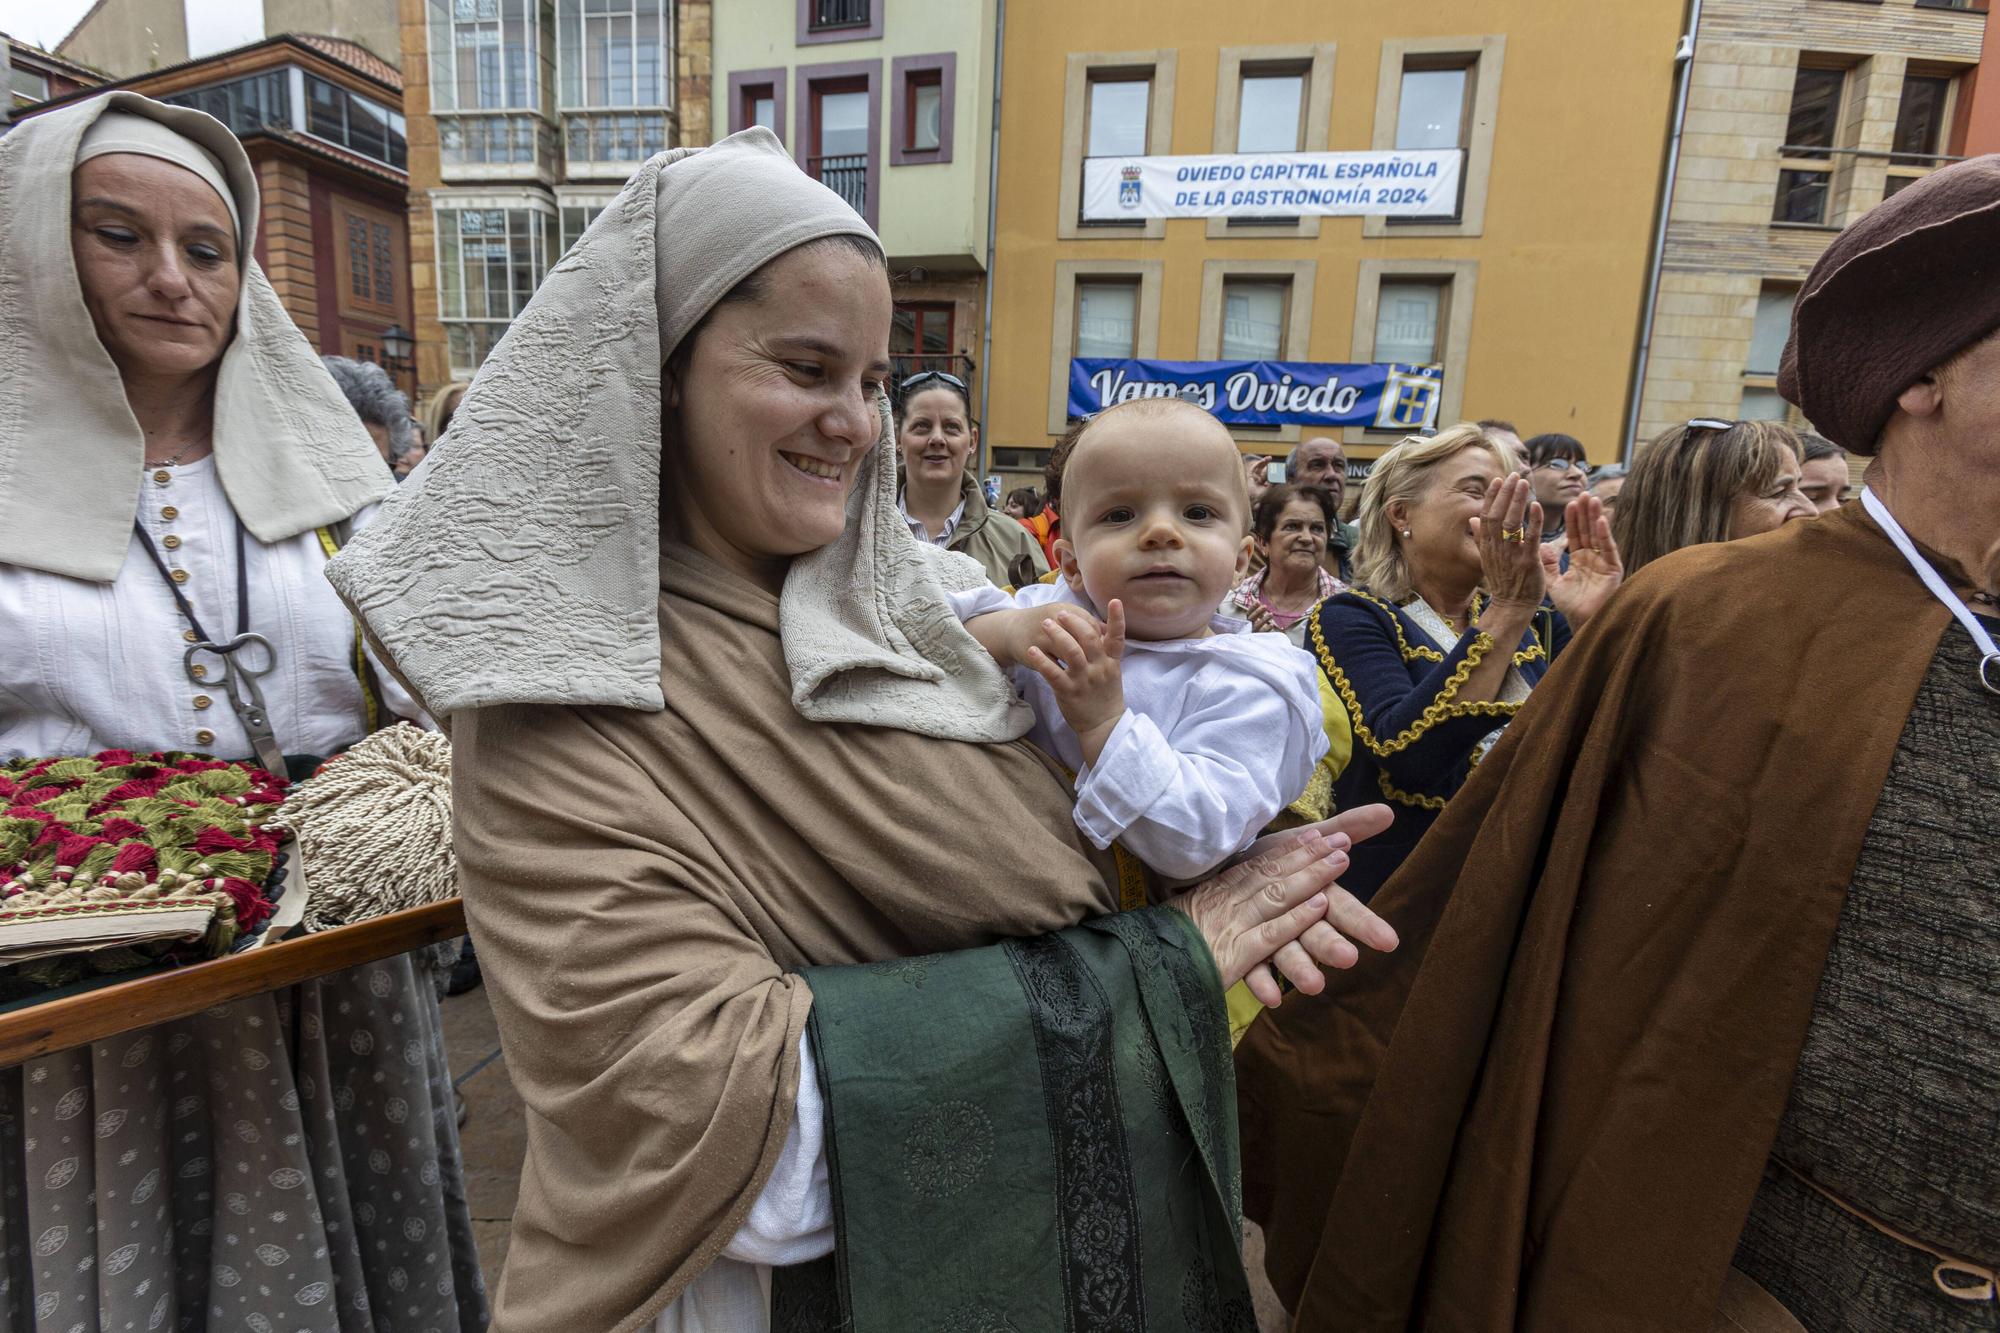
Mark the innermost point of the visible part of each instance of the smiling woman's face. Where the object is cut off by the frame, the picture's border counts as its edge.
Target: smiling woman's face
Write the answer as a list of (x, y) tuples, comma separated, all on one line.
[(777, 406), (156, 256), (936, 436)]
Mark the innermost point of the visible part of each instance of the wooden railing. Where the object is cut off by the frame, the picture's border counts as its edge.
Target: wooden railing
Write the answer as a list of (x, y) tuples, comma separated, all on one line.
[(77, 1020)]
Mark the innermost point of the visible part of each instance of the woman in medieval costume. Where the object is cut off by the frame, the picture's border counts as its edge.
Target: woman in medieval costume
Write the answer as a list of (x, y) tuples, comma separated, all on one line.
[(707, 700), (175, 466)]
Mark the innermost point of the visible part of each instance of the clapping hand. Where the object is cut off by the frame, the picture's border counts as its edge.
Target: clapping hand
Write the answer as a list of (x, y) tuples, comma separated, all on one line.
[(1509, 528), (1595, 569)]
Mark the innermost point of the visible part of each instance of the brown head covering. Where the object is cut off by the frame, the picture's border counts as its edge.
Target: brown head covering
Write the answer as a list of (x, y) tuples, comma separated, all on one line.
[(1895, 296)]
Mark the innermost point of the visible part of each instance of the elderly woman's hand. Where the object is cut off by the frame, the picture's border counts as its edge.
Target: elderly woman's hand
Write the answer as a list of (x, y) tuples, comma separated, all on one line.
[(1509, 528), (1595, 570), (1281, 907)]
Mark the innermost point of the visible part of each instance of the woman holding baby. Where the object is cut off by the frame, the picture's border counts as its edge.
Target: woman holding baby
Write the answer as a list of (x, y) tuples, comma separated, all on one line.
[(786, 1035)]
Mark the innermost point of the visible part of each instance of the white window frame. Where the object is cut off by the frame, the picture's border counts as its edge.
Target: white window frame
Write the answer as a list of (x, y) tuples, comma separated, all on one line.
[(544, 235), (1076, 114), (1062, 334)]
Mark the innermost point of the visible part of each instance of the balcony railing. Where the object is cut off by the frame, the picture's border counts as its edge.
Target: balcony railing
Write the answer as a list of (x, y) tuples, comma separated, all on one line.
[(846, 176), (838, 14)]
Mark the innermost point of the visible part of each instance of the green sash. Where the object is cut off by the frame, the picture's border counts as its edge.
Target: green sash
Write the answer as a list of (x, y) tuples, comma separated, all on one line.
[(1039, 1135)]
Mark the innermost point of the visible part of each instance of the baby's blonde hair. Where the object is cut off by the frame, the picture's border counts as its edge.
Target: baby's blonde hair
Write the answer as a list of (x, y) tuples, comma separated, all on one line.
[(1065, 448)]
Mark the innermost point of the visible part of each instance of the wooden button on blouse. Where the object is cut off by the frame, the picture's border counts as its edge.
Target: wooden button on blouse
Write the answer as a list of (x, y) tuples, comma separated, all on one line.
[(172, 543), (198, 671), (180, 576), (190, 636), (202, 701), (162, 477), (169, 513), (204, 738)]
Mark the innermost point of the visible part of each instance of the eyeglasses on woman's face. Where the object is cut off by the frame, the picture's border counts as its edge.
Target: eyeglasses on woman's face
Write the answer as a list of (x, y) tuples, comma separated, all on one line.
[(1563, 464)]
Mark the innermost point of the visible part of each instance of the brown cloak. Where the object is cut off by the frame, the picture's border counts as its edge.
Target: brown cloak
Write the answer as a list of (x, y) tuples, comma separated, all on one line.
[(1612, 941), (644, 888)]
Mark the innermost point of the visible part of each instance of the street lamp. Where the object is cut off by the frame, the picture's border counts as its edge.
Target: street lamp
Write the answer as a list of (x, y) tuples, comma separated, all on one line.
[(398, 346)]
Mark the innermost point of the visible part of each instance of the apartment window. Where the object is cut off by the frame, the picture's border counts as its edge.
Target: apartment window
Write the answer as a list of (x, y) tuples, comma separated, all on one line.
[(920, 339), (1409, 321), (1432, 106), (369, 260), (1254, 315), (922, 90), (1920, 119), (490, 141), (1768, 331), (838, 21), (760, 107), (490, 260), (924, 112), (28, 85), (1440, 94), (355, 123), (614, 53), (576, 220), (1805, 162), (485, 55), (837, 139), (245, 105), (1107, 319), (829, 15), (1270, 115), (1118, 110), (614, 136)]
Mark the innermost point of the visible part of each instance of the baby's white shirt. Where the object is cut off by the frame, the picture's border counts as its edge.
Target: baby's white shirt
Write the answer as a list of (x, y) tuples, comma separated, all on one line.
[(1219, 735)]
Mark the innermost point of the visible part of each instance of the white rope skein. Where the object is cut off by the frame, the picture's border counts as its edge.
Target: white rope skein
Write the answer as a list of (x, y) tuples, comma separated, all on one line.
[(374, 828)]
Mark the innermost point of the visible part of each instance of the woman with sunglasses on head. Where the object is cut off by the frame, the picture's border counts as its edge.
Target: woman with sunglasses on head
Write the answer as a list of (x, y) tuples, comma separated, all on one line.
[(941, 499), (1709, 481)]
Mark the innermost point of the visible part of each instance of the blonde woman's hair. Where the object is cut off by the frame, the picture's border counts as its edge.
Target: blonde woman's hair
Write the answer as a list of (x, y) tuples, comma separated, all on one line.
[(1405, 473), (436, 417), (1682, 487)]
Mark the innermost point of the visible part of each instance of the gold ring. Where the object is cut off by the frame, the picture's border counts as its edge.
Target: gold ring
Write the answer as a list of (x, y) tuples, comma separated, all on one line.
[(1513, 534)]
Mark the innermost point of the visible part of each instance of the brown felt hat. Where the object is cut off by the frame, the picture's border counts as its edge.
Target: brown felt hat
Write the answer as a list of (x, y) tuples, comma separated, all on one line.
[(1895, 296)]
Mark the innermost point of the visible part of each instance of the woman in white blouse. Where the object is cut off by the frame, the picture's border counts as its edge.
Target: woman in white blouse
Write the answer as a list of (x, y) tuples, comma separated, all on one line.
[(175, 469)]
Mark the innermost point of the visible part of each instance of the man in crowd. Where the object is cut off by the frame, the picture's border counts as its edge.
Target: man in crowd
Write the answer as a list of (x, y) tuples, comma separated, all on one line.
[(1823, 477), (1320, 461), (1504, 434), (1693, 1023)]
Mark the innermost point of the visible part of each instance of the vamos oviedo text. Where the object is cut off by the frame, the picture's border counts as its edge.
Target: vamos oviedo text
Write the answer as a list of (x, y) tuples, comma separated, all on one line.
[(1266, 393), (1396, 182)]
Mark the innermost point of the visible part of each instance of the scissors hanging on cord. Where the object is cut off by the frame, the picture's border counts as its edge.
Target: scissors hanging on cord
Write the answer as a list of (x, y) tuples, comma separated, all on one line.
[(237, 679)]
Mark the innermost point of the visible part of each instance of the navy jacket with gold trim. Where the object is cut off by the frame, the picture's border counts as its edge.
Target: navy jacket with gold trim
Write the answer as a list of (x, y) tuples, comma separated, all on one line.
[(1415, 742)]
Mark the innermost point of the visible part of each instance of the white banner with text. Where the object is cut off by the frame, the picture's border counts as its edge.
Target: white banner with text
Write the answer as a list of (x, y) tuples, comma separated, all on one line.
[(1416, 182)]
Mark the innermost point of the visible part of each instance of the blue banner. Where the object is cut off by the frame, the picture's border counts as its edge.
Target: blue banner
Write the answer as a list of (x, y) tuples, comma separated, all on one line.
[(1266, 393)]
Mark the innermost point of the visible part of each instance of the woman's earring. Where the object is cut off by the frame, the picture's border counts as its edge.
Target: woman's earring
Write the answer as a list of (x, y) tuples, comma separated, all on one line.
[(1406, 534)]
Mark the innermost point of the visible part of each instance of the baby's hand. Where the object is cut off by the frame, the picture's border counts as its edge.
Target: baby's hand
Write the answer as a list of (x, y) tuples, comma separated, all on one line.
[(1078, 657)]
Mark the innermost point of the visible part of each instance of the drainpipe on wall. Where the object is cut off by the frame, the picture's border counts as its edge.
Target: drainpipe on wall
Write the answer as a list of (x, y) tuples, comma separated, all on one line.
[(1684, 74), (992, 222)]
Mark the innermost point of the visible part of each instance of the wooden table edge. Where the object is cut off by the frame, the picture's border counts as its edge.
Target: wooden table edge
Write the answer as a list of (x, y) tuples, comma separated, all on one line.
[(78, 1020)]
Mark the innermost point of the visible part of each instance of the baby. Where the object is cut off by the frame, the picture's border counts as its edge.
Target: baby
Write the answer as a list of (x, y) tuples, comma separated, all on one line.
[(1187, 732)]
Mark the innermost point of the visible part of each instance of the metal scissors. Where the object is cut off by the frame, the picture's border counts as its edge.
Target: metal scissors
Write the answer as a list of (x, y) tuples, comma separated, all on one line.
[(238, 682)]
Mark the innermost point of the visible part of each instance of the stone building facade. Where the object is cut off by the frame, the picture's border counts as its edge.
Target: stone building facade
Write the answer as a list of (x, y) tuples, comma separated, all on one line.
[(525, 118), (1801, 116)]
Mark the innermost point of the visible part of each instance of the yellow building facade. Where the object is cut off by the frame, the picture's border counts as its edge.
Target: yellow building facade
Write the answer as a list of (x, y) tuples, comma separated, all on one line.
[(1529, 298)]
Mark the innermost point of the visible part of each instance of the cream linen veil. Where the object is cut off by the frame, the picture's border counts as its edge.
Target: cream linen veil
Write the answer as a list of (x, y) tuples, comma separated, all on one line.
[(520, 563), (289, 450)]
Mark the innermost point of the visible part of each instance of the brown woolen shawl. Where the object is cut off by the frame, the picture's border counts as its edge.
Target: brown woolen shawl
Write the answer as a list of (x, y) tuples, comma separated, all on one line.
[(643, 888), (1551, 1107)]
